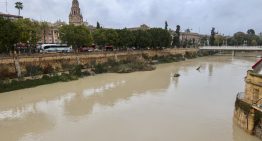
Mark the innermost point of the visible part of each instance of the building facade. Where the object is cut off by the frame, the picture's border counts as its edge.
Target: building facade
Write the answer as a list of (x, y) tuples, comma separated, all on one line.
[(141, 27), (10, 17), (75, 16), (51, 34), (189, 36)]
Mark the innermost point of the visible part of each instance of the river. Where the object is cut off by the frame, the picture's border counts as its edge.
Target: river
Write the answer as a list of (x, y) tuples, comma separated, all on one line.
[(140, 106)]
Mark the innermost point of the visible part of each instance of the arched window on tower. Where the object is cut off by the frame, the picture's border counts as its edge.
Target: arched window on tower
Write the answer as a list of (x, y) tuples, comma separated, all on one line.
[(74, 12)]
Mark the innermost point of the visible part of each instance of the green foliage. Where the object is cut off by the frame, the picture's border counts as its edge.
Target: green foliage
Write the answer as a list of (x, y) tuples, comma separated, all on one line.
[(241, 38), (123, 66), (98, 26), (154, 37), (176, 38), (29, 31), (19, 6), (111, 37), (100, 68), (99, 37), (8, 35), (251, 32), (166, 25), (76, 71), (159, 37), (18, 31), (103, 37), (142, 39), (76, 36), (219, 40), (32, 70), (168, 58), (46, 79), (126, 38), (212, 37)]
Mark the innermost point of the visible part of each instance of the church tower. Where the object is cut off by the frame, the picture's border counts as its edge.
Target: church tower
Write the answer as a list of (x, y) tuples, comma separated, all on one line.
[(75, 16)]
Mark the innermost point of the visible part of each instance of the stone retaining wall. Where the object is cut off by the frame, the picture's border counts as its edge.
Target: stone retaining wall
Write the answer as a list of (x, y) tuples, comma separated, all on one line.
[(57, 60)]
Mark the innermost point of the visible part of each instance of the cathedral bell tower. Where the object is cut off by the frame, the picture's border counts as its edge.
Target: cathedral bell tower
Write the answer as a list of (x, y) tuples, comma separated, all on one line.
[(75, 16)]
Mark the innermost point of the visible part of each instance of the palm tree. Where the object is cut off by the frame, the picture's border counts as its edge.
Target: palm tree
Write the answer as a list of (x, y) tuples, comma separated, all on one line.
[(19, 6)]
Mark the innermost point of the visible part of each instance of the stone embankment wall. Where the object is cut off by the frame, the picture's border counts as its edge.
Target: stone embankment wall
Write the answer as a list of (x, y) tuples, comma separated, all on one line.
[(244, 120), (57, 60), (248, 111)]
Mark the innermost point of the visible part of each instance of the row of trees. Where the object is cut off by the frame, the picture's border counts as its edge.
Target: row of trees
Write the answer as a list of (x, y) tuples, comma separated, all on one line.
[(19, 31), (26, 31), (238, 39), (78, 36)]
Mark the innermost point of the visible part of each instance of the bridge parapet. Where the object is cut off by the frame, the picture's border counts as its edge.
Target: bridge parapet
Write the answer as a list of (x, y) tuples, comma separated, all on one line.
[(232, 48)]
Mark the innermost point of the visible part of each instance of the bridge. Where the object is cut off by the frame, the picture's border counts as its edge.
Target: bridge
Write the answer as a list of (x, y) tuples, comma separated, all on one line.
[(232, 48)]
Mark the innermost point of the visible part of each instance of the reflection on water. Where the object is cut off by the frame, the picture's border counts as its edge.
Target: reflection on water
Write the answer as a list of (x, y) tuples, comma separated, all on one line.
[(138, 106)]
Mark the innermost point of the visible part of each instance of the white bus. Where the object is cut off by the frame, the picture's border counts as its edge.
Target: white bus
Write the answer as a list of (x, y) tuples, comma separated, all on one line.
[(55, 48)]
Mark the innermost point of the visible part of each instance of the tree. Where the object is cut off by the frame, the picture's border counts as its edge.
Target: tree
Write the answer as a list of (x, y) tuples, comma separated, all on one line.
[(98, 25), (240, 38), (30, 31), (251, 32), (176, 39), (111, 37), (159, 37), (166, 25), (142, 38), (126, 38), (212, 37), (99, 37), (76, 36), (219, 40), (8, 35), (253, 43), (204, 40), (19, 6)]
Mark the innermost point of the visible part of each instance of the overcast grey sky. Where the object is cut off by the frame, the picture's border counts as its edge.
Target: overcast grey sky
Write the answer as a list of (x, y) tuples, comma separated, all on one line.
[(227, 16)]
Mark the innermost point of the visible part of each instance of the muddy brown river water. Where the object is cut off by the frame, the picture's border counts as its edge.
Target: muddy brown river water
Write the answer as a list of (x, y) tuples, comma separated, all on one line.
[(140, 106)]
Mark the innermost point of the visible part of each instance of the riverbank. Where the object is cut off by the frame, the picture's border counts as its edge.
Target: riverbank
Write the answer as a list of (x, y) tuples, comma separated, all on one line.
[(48, 74)]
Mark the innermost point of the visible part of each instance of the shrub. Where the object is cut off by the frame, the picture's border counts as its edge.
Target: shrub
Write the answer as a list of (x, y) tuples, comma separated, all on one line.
[(100, 68), (48, 69), (66, 66), (32, 70), (6, 73), (77, 70)]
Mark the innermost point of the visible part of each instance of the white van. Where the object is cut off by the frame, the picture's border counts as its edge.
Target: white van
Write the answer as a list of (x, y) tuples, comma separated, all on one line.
[(55, 48)]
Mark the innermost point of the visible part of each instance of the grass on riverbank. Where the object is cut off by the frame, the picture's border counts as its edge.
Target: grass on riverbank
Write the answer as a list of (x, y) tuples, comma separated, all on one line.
[(124, 66), (46, 79)]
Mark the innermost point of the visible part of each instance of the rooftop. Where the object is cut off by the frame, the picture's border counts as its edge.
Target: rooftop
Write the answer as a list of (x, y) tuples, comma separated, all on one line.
[(9, 15)]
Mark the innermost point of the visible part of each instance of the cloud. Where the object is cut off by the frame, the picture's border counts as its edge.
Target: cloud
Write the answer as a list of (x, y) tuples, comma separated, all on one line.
[(228, 16)]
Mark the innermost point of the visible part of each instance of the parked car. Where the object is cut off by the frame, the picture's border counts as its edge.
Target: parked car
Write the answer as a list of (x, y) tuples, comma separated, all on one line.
[(86, 49)]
